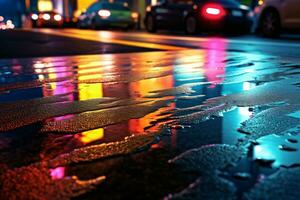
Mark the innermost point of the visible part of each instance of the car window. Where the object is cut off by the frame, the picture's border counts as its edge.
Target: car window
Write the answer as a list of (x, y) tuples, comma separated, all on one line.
[(94, 7), (161, 2), (224, 2), (181, 2), (90, 8), (114, 6)]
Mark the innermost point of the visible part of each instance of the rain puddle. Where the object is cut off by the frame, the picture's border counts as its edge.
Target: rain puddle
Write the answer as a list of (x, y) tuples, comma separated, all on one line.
[(172, 125), (283, 149)]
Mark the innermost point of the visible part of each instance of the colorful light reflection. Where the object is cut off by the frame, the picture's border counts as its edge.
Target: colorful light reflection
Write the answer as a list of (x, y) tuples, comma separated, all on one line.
[(215, 66), (57, 173), (86, 92)]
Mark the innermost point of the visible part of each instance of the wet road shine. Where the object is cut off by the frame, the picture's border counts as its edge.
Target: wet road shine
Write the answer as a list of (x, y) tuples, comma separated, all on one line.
[(178, 124)]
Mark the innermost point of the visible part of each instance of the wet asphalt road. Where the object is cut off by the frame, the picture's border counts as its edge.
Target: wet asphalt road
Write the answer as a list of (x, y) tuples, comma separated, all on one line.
[(52, 42), (180, 118)]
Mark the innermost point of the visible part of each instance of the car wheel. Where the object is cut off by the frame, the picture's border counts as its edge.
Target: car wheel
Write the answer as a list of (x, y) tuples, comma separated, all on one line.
[(270, 24), (79, 25), (150, 24), (191, 25)]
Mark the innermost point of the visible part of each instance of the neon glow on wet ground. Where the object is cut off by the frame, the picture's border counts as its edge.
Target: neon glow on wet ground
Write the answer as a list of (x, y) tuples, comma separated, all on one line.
[(145, 125)]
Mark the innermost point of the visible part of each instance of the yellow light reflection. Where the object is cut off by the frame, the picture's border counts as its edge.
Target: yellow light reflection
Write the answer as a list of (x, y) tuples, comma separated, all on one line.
[(106, 34), (96, 64), (41, 67), (93, 37), (91, 136), (52, 76), (90, 91)]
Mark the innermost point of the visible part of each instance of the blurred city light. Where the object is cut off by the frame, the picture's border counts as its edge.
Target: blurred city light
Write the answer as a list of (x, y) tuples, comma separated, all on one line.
[(134, 15), (34, 16), (57, 18), (45, 5), (46, 16), (8, 25), (260, 2)]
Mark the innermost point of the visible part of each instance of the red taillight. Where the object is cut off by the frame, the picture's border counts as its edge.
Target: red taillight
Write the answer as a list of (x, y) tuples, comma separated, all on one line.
[(213, 11)]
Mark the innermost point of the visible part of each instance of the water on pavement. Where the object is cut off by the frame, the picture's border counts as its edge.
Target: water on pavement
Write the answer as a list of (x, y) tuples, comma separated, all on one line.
[(179, 124)]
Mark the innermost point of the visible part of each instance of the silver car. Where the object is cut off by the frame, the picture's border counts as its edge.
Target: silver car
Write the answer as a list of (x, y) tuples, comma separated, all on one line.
[(273, 16)]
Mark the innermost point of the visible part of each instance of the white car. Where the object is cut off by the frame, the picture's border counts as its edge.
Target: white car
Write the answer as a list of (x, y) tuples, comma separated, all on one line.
[(273, 16)]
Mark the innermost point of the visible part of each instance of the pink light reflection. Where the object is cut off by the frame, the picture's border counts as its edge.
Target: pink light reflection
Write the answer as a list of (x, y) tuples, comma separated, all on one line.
[(57, 173), (215, 67), (61, 87)]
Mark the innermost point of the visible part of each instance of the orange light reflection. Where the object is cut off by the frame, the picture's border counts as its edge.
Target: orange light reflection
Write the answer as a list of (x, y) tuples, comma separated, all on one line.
[(142, 88)]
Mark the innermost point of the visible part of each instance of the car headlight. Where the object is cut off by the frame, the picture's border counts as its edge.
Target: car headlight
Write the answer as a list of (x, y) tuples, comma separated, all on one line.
[(260, 2), (134, 15), (57, 18), (104, 13), (34, 16), (148, 9), (46, 17)]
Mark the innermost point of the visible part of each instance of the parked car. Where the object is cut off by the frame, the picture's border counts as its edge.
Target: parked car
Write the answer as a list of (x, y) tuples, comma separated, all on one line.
[(274, 16), (47, 19), (196, 15), (104, 15)]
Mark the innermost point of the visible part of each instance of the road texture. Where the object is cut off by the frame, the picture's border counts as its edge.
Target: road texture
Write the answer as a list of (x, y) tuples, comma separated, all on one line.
[(56, 42), (131, 115)]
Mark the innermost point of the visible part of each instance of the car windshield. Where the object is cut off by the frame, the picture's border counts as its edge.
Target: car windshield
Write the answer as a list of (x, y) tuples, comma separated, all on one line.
[(114, 6), (224, 2)]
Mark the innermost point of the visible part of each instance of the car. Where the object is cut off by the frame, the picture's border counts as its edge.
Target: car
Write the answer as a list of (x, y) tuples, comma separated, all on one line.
[(47, 19), (274, 16), (105, 15), (196, 15)]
